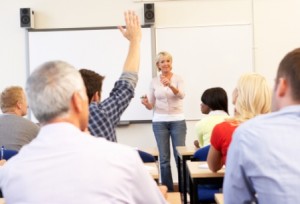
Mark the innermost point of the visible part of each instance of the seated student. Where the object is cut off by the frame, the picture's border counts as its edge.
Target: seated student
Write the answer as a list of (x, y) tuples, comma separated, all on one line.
[(215, 105), (251, 97), (105, 116), (265, 150), (64, 164), (15, 131)]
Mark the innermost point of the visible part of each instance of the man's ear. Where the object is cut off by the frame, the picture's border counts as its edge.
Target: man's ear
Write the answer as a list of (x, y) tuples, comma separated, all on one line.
[(19, 105), (96, 97), (76, 101), (282, 87)]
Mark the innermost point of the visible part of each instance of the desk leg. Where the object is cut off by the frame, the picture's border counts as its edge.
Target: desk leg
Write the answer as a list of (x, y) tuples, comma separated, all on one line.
[(184, 170), (191, 189), (179, 173)]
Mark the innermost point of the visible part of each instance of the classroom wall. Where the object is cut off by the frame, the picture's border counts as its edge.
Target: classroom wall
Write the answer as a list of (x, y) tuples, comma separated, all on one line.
[(275, 25)]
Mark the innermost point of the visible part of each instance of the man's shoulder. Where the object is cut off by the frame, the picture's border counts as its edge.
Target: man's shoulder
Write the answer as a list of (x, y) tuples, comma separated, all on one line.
[(260, 120), (112, 148), (11, 118)]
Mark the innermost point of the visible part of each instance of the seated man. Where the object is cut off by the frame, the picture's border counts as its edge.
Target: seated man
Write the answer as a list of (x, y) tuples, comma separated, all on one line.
[(16, 131), (105, 116), (263, 162), (64, 164)]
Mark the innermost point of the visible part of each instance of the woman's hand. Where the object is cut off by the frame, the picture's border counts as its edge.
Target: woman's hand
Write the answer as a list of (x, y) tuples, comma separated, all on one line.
[(165, 81), (145, 102)]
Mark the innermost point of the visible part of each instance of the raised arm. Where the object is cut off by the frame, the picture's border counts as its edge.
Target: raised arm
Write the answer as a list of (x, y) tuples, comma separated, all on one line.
[(133, 33)]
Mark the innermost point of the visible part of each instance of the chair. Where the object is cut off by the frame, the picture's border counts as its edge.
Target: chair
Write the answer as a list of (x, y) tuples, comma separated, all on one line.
[(206, 193), (146, 157), (201, 154), (8, 153)]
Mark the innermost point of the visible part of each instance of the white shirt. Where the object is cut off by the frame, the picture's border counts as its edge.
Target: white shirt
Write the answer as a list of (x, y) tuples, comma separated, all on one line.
[(64, 165)]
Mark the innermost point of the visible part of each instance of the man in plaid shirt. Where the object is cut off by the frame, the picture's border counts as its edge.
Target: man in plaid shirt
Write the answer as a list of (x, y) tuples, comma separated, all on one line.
[(105, 116)]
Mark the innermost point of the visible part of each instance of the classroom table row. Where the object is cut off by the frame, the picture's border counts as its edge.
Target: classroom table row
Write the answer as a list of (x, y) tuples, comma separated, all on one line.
[(153, 169), (196, 172), (200, 174)]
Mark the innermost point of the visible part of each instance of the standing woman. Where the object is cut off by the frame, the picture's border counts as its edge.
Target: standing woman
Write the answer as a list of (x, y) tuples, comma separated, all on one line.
[(165, 98)]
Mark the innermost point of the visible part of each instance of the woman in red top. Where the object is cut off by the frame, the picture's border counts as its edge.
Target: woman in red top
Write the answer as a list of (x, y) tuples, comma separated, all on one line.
[(251, 97)]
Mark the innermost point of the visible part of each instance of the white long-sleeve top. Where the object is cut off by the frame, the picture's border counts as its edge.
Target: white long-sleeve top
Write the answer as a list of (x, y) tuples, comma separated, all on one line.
[(164, 101)]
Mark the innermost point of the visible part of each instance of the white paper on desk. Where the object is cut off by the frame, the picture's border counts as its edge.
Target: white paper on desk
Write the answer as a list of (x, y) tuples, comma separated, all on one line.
[(205, 166), (149, 168)]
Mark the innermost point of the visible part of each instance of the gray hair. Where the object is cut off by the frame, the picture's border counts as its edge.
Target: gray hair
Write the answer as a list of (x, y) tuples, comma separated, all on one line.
[(50, 88)]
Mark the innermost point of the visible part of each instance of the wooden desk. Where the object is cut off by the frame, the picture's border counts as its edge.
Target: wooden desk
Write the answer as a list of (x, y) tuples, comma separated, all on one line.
[(2, 201), (183, 154), (199, 175), (174, 198), (152, 168), (219, 197), (153, 151)]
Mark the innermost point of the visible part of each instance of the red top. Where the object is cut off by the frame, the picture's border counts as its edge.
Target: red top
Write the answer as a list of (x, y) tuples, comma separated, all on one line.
[(221, 137)]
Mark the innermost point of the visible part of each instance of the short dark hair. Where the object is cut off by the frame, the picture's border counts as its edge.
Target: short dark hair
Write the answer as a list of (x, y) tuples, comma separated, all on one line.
[(92, 81), (289, 68), (215, 98)]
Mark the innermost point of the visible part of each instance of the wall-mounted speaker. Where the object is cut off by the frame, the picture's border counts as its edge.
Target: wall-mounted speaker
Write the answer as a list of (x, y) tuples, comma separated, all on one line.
[(26, 18), (149, 15)]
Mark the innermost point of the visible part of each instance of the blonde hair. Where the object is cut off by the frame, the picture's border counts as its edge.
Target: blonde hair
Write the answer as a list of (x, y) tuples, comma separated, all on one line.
[(162, 54), (10, 97), (253, 97)]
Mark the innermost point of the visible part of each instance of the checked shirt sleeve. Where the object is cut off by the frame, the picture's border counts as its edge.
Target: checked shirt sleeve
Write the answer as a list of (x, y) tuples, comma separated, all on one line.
[(105, 116)]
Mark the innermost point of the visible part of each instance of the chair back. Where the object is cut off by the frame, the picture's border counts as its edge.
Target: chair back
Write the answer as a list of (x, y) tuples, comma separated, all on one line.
[(7, 153), (206, 192), (146, 157), (201, 154)]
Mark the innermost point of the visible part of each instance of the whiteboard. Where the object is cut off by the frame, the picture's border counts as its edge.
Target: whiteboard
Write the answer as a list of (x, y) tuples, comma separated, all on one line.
[(101, 50), (206, 57)]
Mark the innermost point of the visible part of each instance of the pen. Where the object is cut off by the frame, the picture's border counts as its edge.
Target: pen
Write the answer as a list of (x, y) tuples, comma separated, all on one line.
[(2, 153)]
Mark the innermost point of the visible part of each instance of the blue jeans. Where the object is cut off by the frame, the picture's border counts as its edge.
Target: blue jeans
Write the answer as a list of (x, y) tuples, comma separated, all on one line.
[(163, 131)]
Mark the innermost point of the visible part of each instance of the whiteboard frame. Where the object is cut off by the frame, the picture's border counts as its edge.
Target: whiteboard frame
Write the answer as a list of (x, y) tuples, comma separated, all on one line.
[(146, 115)]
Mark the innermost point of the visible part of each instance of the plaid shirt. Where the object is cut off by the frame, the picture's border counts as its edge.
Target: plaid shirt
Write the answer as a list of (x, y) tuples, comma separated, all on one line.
[(105, 116)]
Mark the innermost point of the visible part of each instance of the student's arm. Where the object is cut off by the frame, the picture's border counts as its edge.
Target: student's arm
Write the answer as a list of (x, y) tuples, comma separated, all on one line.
[(133, 33), (119, 98), (214, 159)]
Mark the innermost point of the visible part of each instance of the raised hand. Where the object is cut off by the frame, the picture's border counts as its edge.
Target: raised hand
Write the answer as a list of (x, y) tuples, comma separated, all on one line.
[(133, 28)]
